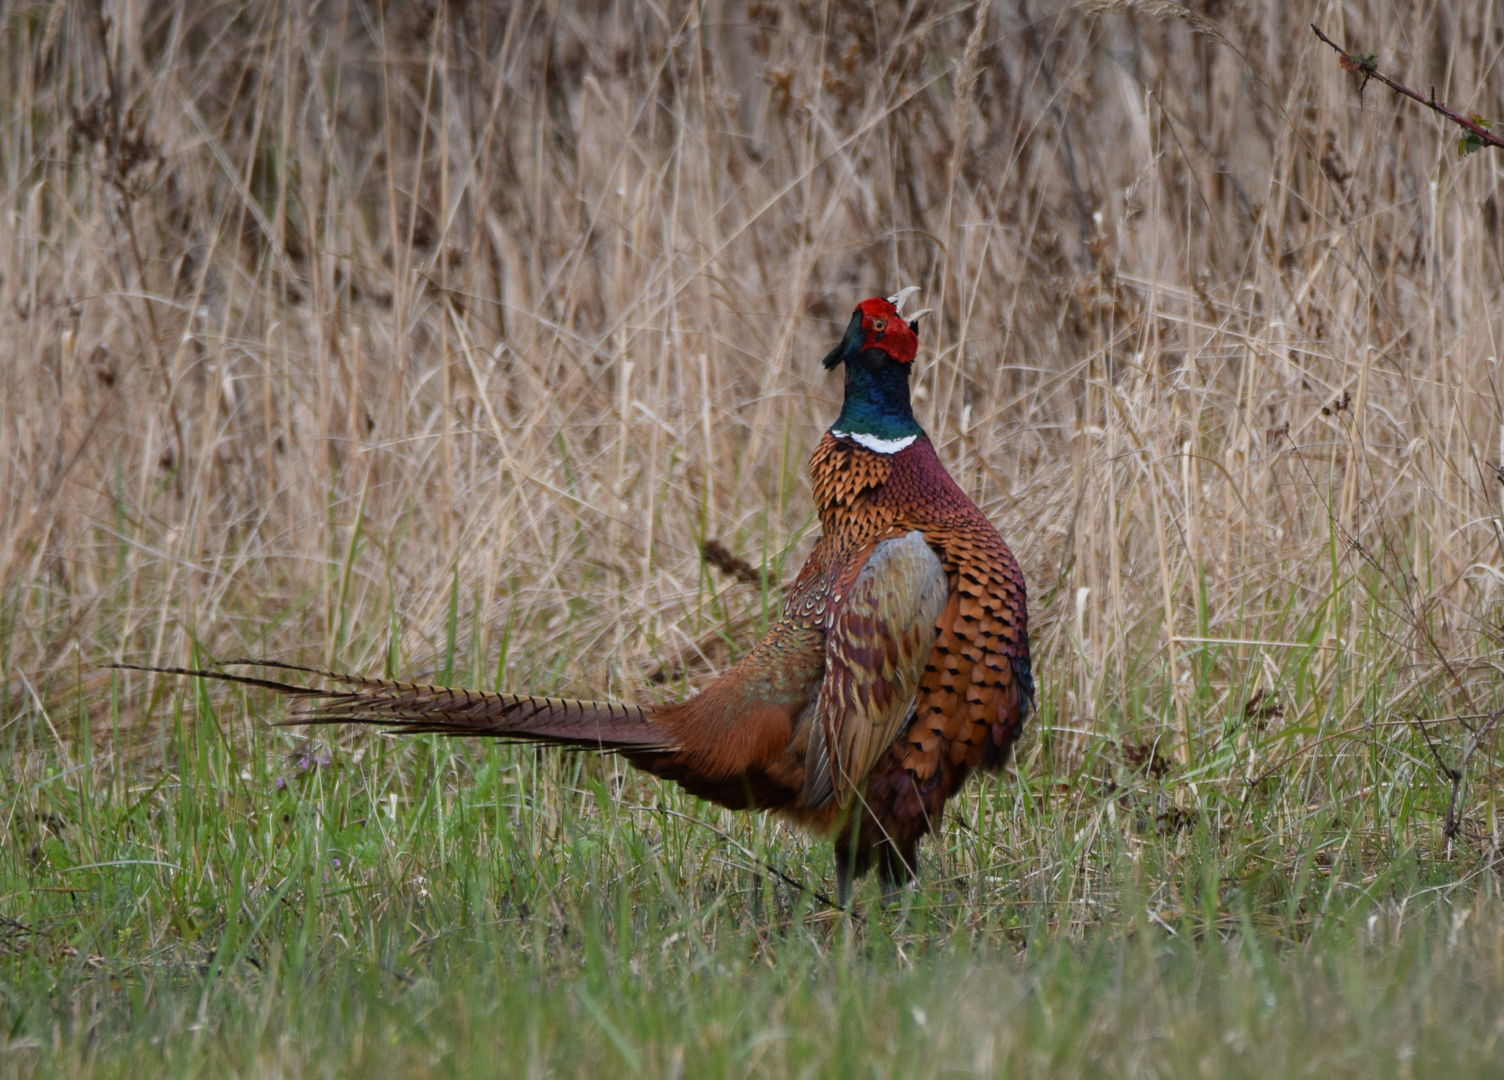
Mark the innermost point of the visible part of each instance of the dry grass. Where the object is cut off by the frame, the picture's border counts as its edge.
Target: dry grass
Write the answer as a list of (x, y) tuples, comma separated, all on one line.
[(437, 338)]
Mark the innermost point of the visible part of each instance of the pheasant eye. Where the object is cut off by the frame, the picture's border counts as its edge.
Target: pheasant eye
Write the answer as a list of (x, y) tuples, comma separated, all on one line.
[(878, 325)]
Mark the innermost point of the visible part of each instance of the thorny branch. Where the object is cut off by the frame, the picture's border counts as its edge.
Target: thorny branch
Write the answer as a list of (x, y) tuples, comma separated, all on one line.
[(1363, 63)]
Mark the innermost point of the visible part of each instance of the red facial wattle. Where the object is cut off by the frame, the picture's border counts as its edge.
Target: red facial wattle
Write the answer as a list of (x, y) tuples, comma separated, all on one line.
[(876, 326), (884, 328)]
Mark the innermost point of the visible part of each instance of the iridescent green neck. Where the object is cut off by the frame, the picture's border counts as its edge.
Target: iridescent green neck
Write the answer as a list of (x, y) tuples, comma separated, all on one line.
[(877, 402)]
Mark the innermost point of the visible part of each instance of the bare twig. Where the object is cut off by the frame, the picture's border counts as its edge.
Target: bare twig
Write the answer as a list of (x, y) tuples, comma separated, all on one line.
[(1459, 774), (1364, 64), (1419, 623), (763, 865)]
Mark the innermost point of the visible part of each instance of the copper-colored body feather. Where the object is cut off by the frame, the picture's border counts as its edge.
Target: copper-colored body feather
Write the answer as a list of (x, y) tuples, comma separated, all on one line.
[(899, 665)]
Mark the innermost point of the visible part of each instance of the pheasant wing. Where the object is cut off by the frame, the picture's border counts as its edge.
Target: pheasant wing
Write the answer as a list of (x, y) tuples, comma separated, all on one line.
[(878, 637)]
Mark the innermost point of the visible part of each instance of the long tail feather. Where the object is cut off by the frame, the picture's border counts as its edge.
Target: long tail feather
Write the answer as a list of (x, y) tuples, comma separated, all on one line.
[(416, 708)]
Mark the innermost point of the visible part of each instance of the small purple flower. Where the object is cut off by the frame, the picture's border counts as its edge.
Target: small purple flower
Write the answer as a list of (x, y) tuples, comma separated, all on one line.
[(303, 763)]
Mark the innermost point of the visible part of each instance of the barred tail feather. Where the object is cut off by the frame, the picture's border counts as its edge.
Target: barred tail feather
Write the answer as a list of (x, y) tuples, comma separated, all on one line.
[(415, 708)]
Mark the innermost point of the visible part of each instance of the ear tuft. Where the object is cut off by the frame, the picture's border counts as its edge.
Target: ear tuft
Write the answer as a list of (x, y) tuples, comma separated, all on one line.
[(901, 297)]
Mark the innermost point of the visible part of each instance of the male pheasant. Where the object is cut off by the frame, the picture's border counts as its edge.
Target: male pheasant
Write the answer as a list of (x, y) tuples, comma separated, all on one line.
[(899, 665)]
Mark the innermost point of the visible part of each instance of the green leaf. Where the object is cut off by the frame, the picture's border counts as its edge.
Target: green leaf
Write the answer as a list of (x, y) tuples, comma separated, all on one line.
[(1471, 140)]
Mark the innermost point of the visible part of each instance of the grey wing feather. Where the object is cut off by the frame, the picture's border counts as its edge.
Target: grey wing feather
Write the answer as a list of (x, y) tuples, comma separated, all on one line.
[(880, 636)]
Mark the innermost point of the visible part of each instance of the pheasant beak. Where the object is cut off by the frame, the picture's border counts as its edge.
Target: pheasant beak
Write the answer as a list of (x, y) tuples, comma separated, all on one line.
[(851, 343), (913, 320)]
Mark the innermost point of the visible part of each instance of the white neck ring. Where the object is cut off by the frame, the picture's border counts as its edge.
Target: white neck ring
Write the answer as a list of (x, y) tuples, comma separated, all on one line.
[(873, 443)]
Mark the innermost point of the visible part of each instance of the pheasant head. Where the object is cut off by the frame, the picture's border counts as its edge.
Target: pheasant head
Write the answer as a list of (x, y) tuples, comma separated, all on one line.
[(878, 324), (878, 350)]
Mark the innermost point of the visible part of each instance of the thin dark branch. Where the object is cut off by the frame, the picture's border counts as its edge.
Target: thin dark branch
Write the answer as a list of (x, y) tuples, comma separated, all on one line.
[(1449, 772), (767, 867), (1457, 776), (1364, 64), (1453, 823)]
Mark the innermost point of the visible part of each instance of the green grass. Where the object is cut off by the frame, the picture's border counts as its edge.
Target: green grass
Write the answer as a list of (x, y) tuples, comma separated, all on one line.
[(191, 890), (226, 898), (510, 997)]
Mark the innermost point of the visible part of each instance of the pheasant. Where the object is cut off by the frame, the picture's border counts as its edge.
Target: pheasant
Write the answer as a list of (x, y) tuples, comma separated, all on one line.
[(898, 666)]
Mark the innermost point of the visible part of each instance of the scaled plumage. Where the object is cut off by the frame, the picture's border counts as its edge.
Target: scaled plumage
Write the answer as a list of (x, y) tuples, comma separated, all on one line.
[(899, 664)]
